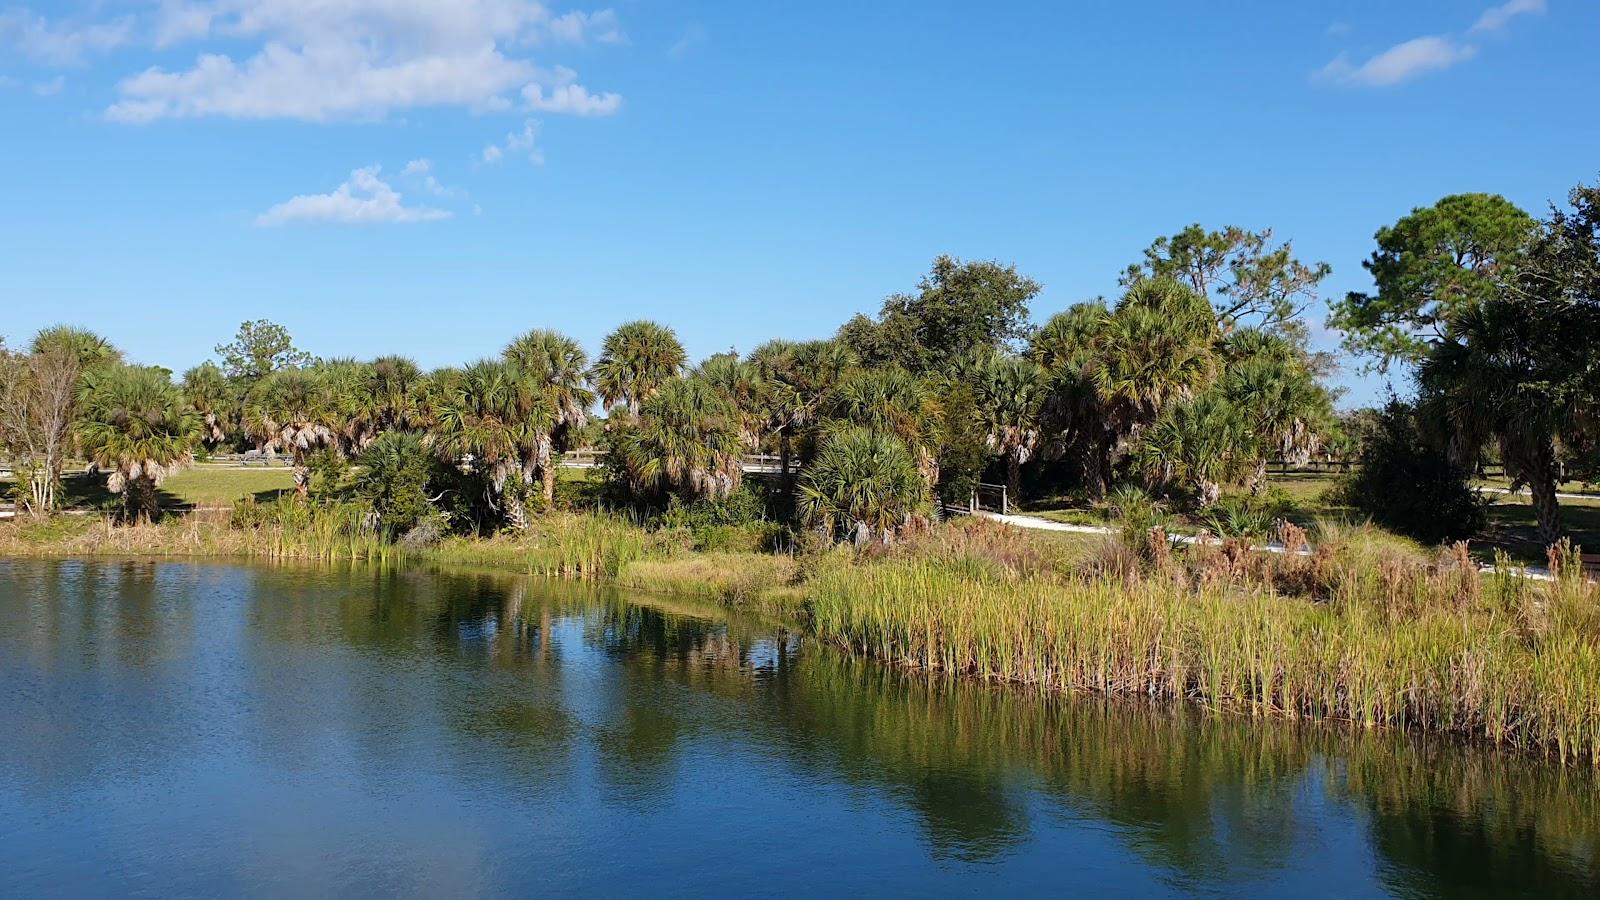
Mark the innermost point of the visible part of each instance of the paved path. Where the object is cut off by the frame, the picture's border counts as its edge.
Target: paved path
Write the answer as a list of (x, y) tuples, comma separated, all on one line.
[(1526, 493)]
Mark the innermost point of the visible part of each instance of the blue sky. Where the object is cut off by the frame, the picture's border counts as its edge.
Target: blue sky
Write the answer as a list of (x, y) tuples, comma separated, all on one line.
[(432, 177)]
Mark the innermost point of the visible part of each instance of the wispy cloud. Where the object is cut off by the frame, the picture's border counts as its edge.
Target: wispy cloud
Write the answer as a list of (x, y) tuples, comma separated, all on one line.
[(524, 141), (364, 199), (358, 59), (421, 171), (1497, 17), (579, 27), (51, 87), (1398, 63), (692, 37), (60, 43), (1420, 55)]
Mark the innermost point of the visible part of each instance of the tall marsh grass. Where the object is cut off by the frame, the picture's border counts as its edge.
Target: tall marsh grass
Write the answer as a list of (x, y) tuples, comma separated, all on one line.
[(561, 545), (1366, 631)]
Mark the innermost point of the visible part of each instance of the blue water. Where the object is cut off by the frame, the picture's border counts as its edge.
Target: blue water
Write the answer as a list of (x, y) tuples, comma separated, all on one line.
[(174, 729)]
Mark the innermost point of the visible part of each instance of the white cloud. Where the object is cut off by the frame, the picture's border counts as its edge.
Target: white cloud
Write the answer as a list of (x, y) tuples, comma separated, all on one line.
[(1497, 17), (364, 199), (571, 98), (1399, 63), (50, 88), (60, 43), (524, 141), (1409, 59), (422, 171), (581, 27), (322, 60)]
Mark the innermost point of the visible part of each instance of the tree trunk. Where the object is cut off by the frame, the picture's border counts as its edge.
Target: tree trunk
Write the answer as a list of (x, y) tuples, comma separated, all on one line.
[(140, 500), (302, 479), (548, 473), (1545, 506), (1259, 479), (516, 512), (1089, 473), (1536, 465), (1014, 478)]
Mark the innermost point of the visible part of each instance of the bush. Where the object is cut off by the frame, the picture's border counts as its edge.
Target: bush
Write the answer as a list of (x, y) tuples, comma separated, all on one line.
[(1243, 516), (395, 469), (1406, 485)]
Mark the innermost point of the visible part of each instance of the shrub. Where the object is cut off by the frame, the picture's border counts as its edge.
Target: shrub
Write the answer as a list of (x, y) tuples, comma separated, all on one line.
[(395, 469), (1407, 485)]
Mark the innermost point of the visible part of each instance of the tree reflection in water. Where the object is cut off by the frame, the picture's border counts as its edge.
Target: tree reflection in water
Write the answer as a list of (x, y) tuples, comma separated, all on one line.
[(567, 692)]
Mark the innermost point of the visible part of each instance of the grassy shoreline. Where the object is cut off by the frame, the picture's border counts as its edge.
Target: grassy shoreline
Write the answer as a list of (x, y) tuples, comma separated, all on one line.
[(1367, 630)]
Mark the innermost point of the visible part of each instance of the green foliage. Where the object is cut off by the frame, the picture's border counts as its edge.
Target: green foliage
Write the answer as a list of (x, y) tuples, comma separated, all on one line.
[(87, 349), (959, 308), (742, 506), (329, 471), (134, 424), (1405, 484), (1239, 516), (1430, 265), (963, 445), (1198, 446), (1246, 278), (686, 441), (1516, 367), (863, 485), (393, 480), (1009, 393), (213, 399), (634, 362), (259, 349)]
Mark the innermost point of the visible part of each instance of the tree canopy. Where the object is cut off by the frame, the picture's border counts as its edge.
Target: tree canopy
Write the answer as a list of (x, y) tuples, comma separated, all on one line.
[(1429, 265), (260, 348)]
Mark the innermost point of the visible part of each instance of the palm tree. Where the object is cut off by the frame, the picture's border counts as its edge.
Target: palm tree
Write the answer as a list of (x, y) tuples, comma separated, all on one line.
[(495, 420), (393, 392), (90, 350), (1010, 393), (1072, 417), (289, 410), (1201, 443), (352, 408), (686, 440), (1155, 349), (211, 397), (1491, 380), (796, 378), (739, 383), (1286, 412), (558, 364), (864, 484), (635, 361), (135, 424), (394, 478), (892, 401)]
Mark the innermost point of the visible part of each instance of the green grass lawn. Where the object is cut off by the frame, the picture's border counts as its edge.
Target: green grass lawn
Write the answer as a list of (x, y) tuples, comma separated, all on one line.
[(214, 485)]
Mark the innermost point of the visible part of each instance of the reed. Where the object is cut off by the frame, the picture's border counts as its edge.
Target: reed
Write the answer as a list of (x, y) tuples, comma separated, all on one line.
[(761, 580), (562, 545), (1378, 635)]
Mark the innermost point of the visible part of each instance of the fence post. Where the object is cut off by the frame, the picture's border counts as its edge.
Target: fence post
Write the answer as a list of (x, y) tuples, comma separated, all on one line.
[(1005, 504)]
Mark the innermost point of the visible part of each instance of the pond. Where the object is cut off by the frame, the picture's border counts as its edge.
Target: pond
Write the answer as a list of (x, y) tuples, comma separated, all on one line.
[(183, 729)]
